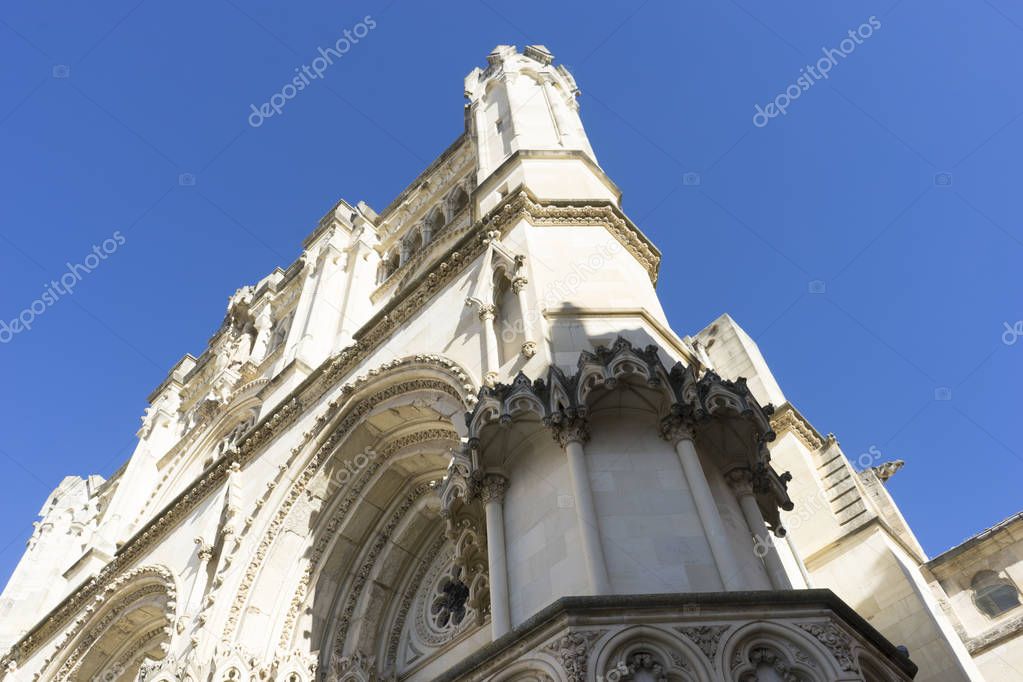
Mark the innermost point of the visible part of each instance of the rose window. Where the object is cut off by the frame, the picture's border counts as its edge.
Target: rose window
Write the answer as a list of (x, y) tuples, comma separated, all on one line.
[(449, 603)]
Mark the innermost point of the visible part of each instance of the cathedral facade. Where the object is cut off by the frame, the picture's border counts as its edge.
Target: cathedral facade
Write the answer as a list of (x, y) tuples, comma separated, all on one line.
[(458, 440)]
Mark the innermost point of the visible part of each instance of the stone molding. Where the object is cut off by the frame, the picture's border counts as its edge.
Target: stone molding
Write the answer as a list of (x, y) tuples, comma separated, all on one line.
[(340, 432), (580, 631), (493, 488), (215, 476), (788, 419), (340, 513), (837, 642), (152, 580), (369, 561), (995, 635), (705, 637)]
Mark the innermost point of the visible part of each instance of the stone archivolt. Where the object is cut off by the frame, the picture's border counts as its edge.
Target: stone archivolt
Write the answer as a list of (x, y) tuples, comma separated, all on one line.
[(152, 586), (457, 386), (353, 411)]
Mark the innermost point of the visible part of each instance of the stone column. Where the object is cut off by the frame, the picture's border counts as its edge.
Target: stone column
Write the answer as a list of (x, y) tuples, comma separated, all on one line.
[(563, 128), (572, 433), (529, 345), (204, 552), (799, 562), (741, 482), (728, 566), (492, 494), (491, 361)]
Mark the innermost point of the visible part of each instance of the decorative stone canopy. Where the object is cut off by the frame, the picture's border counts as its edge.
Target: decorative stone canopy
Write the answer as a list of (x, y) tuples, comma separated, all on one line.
[(722, 416)]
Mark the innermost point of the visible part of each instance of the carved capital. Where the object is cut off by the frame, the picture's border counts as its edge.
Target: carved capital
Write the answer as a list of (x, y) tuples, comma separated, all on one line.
[(204, 550), (492, 488), (528, 349), (519, 283), (675, 429), (570, 429), (740, 481), (487, 311)]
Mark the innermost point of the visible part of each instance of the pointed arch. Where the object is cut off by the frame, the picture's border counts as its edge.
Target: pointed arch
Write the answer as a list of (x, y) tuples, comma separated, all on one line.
[(412, 407), (129, 621), (649, 648), (763, 643)]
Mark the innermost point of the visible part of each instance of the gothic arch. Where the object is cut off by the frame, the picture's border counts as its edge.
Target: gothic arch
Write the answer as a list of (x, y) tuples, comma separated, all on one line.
[(456, 200), (411, 406), (625, 377), (787, 650), (643, 651), (128, 623), (227, 430), (436, 221)]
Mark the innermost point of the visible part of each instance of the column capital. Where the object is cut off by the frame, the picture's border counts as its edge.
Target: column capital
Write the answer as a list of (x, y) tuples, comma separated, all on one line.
[(487, 311), (519, 283), (205, 551), (675, 429), (569, 428), (493, 488), (740, 481)]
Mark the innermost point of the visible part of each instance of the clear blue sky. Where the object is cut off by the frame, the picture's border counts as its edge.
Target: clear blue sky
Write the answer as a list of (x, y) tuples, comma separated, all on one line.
[(920, 274)]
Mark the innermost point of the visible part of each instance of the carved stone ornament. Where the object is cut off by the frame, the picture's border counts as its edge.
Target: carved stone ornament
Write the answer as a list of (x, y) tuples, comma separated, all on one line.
[(692, 402), (765, 656), (572, 650), (836, 640), (569, 428), (705, 637), (493, 487)]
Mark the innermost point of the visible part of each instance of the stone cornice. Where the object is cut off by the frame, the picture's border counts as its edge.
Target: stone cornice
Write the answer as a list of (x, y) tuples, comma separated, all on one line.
[(577, 610), (574, 154), (788, 419), (668, 337), (434, 165), (949, 555), (590, 212), (994, 636)]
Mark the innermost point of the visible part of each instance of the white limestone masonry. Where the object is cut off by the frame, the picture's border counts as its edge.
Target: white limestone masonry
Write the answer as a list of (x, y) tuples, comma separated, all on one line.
[(458, 439)]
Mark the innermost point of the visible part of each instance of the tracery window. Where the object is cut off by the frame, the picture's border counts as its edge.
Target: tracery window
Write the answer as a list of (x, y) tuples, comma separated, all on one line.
[(450, 601)]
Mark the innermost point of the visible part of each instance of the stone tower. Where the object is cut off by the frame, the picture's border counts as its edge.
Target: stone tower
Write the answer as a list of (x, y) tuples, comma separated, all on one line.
[(457, 439)]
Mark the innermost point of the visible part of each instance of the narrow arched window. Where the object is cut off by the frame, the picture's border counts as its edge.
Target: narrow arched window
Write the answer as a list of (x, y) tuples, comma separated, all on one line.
[(459, 200), (993, 594), (435, 223), (388, 266)]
